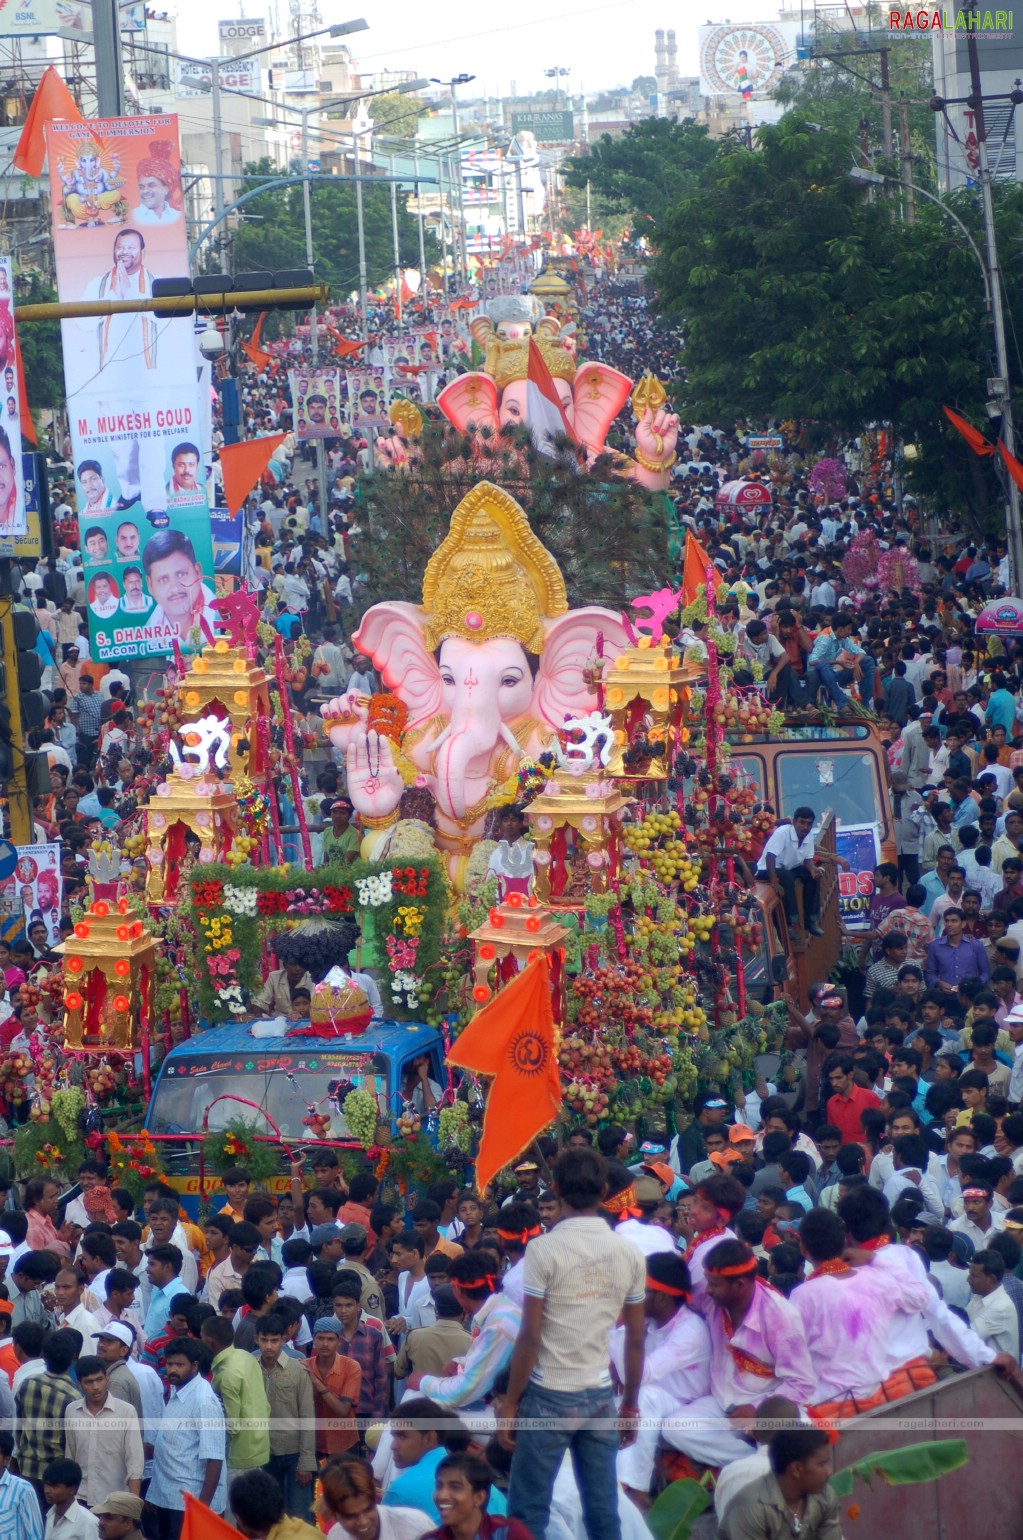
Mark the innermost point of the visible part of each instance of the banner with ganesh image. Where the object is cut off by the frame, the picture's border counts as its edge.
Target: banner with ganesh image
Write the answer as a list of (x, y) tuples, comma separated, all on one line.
[(133, 394), (39, 883)]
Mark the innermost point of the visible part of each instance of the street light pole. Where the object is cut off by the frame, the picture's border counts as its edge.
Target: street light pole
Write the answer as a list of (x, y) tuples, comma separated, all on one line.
[(398, 279), (314, 335), (1000, 387)]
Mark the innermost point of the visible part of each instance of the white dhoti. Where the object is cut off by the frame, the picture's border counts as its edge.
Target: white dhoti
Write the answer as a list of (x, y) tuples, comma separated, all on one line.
[(663, 1420)]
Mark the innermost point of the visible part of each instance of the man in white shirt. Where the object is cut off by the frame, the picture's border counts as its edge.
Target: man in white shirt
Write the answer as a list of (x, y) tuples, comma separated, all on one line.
[(68, 1288), (991, 1311), (788, 858), (979, 1219)]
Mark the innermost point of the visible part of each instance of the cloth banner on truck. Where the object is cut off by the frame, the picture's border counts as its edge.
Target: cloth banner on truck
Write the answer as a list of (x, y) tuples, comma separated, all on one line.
[(38, 879), (132, 388)]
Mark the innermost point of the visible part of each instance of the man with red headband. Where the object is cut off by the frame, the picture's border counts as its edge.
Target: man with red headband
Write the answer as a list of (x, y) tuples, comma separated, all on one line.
[(847, 1316), (865, 1214), (495, 1327), (712, 1208), (757, 1343), (517, 1224), (676, 1380)]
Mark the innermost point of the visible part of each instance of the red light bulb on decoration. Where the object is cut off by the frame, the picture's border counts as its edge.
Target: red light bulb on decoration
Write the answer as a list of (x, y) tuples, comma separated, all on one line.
[(122, 967), (481, 992), (121, 1003), (73, 1001), (122, 933), (122, 906), (534, 956), (514, 900), (496, 918), (534, 902), (101, 907), (488, 952), (73, 964), (82, 932), (533, 923)]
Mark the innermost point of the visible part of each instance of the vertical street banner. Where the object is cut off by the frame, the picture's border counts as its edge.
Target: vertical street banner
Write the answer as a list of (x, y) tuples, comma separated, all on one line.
[(367, 400), (38, 877), (860, 844), (133, 394), (13, 518), (318, 403)]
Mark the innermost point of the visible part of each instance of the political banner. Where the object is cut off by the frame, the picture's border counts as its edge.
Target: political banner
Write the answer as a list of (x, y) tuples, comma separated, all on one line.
[(38, 880), (860, 844), (367, 400), (132, 388), (318, 402), (13, 525), (29, 545)]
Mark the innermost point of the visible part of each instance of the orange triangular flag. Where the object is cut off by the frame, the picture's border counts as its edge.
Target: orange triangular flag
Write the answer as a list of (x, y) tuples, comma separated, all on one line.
[(201, 1523), (694, 570), (346, 349), (514, 1039), (28, 427), (243, 464), (1012, 465), (52, 100), (976, 440), (256, 355), (257, 330)]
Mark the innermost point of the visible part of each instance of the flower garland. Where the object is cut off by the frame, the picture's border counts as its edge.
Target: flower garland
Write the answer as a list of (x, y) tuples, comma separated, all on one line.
[(232, 909)]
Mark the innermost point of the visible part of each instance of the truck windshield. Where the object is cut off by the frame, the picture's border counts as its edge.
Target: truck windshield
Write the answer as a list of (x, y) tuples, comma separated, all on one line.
[(282, 1087), (839, 780)]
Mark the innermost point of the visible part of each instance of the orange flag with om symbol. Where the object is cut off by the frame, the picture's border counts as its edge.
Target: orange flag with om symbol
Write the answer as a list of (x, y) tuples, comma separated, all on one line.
[(514, 1039)]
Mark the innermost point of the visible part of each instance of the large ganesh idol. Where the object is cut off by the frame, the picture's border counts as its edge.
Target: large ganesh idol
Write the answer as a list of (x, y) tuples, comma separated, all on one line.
[(488, 667), (591, 394)]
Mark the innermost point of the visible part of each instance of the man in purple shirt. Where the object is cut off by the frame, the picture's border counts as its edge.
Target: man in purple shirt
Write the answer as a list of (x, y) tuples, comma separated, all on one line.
[(954, 957)]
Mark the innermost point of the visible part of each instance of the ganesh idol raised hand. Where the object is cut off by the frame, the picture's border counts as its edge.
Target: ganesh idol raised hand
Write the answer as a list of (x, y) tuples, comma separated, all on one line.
[(488, 666)]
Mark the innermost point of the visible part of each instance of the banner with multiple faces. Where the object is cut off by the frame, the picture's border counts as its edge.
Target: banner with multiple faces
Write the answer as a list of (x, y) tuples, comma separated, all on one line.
[(132, 389)]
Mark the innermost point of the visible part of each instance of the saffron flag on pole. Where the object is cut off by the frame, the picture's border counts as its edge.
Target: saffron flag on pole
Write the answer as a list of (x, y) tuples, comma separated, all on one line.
[(695, 567), (201, 1523), (976, 440), (514, 1039), (1012, 465), (243, 464), (544, 411), (52, 101)]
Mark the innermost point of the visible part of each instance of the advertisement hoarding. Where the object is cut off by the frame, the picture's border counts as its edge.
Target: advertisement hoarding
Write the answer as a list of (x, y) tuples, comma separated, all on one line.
[(39, 18), (13, 524), (746, 60), (132, 391), (548, 127)]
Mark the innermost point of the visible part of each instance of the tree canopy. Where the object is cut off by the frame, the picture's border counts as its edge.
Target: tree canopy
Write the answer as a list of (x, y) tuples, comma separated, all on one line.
[(802, 296), (273, 234), (646, 170)]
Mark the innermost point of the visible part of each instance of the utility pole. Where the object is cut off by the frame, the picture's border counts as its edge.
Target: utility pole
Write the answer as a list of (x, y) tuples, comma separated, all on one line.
[(906, 157), (398, 277), (19, 806), (218, 157), (419, 221), (999, 388), (106, 37), (314, 334), (886, 104)]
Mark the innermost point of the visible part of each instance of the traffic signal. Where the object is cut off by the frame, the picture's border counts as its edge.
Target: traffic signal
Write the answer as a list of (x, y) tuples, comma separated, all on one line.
[(35, 703), (293, 289)]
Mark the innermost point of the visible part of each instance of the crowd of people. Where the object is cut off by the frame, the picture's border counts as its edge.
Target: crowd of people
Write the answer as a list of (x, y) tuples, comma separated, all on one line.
[(540, 1362)]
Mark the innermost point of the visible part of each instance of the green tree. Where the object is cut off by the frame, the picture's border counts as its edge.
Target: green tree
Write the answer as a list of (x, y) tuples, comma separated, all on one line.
[(644, 85), (273, 234), (41, 352), (802, 297), (398, 115), (845, 94), (646, 170)]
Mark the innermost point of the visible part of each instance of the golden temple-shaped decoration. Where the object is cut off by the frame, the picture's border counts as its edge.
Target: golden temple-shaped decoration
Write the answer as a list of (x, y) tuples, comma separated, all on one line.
[(642, 696), (576, 824)]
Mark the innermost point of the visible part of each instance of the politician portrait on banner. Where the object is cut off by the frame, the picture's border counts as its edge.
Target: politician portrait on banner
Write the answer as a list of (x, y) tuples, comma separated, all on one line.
[(317, 397), (134, 404), (13, 523)]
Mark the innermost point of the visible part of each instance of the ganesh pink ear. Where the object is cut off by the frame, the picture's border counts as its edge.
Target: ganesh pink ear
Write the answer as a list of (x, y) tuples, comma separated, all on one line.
[(570, 652), (392, 637), (599, 394), (469, 402)]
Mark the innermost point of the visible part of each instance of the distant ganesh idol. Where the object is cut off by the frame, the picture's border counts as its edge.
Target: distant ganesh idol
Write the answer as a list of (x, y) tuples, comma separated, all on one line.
[(590, 395), (488, 667)]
